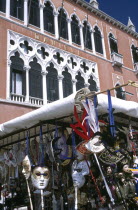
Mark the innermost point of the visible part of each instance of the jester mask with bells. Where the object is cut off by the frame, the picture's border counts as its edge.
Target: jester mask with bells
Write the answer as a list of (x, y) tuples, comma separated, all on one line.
[(40, 177), (26, 167), (79, 170)]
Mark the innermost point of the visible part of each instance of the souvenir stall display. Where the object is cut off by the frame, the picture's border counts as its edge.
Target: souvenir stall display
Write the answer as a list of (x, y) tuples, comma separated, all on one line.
[(78, 157)]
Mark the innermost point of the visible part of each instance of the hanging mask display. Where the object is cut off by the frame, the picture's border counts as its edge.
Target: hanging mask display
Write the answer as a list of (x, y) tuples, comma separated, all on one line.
[(40, 177), (79, 170), (26, 167)]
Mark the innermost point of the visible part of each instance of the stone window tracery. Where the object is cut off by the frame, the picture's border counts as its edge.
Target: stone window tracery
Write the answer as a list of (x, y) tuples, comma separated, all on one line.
[(47, 67)]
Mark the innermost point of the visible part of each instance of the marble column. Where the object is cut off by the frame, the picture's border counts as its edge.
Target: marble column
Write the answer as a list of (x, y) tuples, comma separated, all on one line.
[(44, 73), (74, 85), (41, 17), (7, 8), (56, 25), (25, 12), (81, 36), (8, 79), (60, 78), (69, 31), (27, 68)]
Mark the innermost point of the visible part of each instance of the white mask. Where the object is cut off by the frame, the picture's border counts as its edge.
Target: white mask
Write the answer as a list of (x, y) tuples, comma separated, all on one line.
[(40, 177), (79, 170), (94, 145), (26, 167)]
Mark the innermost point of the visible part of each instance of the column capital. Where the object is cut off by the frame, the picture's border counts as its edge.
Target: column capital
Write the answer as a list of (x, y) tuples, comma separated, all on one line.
[(60, 77), (68, 20), (9, 62), (74, 81), (41, 5), (26, 68), (56, 13), (87, 85), (80, 25), (44, 72)]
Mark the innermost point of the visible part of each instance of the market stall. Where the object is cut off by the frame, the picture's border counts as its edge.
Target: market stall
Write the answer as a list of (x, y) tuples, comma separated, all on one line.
[(75, 153)]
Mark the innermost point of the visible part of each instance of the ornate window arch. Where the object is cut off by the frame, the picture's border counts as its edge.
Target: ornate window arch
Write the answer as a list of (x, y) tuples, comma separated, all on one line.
[(34, 12), (62, 24), (67, 83), (52, 83), (2, 5), (134, 53), (49, 18), (98, 40), (18, 79), (119, 92), (113, 43), (93, 85), (87, 35), (80, 81), (17, 9), (75, 30), (35, 79)]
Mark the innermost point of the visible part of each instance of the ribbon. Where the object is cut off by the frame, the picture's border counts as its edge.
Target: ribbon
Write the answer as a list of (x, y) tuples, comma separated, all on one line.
[(27, 144), (111, 116), (106, 185), (41, 150)]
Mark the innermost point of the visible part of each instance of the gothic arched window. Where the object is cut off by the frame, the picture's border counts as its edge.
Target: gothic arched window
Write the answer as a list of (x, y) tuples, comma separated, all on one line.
[(34, 12), (62, 24), (52, 83), (35, 79), (80, 82), (49, 18), (98, 40), (113, 44), (92, 86), (87, 36), (120, 93), (67, 83), (2, 5), (18, 79), (134, 53), (75, 30), (17, 9)]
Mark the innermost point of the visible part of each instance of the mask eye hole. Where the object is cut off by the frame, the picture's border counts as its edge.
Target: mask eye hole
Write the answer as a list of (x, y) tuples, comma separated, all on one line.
[(38, 174), (45, 174)]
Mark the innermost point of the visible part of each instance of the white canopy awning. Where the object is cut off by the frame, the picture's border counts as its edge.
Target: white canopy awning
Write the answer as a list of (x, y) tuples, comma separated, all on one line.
[(63, 108)]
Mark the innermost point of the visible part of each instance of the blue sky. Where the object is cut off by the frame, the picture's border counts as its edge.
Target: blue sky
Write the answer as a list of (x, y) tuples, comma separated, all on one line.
[(121, 10)]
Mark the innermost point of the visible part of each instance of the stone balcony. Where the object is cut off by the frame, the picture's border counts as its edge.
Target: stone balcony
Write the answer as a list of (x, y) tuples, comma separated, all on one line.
[(136, 68), (117, 59)]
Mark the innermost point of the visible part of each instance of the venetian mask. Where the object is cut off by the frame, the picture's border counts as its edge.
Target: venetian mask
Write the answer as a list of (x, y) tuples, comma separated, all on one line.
[(40, 177), (94, 145), (62, 147), (26, 167), (79, 170)]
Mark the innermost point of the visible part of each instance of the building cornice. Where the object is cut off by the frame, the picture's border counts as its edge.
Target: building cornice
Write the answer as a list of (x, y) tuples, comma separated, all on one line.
[(106, 17)]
